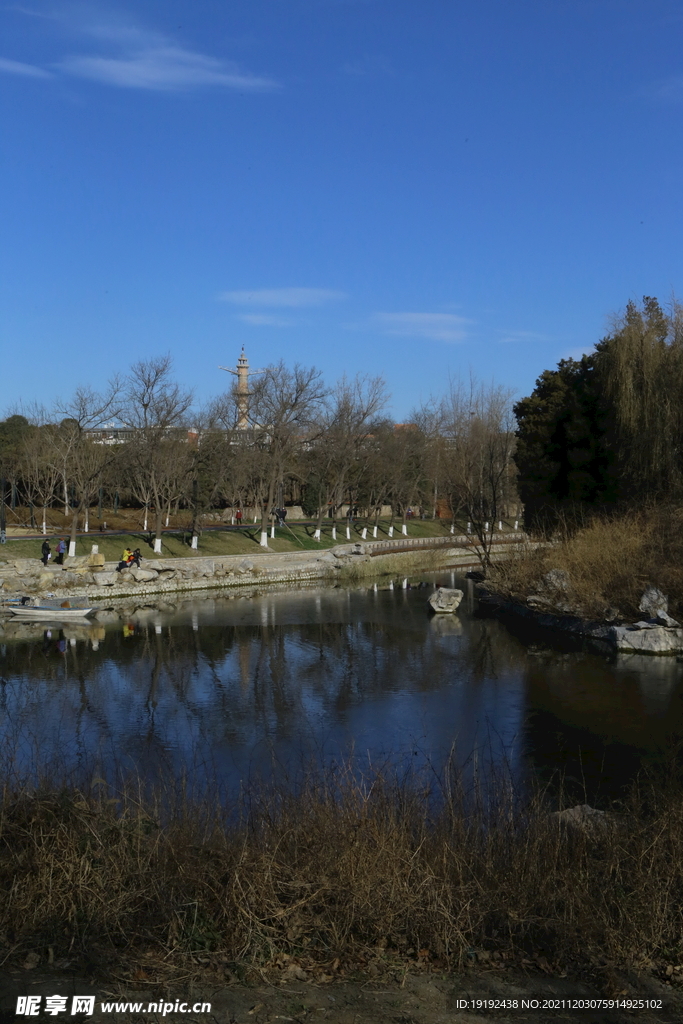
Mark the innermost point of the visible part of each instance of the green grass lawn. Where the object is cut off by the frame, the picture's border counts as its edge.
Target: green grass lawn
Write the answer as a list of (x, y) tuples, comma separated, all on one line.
[(293, 537)]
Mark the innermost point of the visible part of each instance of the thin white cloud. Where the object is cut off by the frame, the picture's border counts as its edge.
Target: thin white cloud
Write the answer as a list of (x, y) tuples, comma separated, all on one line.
[(16, 67), (164, 68), (436, 326), (265, 320), (284, 297)]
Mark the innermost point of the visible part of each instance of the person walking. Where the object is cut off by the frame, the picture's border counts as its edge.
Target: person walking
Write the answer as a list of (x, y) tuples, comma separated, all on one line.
[(61, 551), (46, 552)]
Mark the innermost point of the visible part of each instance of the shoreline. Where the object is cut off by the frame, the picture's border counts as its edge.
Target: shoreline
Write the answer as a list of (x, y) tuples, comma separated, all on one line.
[(80, 577), (650, 637)]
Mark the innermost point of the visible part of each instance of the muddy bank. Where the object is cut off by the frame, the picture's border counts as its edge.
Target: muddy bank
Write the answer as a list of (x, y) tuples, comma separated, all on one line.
[(512, 994)]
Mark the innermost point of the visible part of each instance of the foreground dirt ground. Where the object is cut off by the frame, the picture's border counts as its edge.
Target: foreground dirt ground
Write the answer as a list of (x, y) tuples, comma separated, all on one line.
[(467, 998)]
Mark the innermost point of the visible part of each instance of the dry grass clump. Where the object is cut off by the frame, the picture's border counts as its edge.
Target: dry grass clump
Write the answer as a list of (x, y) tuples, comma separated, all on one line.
[(349, 870), (610, 561)]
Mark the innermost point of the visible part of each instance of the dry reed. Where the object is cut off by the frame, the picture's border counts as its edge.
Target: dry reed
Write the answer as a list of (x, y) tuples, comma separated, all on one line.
[(347, 870), (609, 561)]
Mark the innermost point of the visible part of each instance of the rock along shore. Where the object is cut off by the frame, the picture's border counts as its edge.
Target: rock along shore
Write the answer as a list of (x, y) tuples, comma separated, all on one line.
[(658, 634), (89, 577)]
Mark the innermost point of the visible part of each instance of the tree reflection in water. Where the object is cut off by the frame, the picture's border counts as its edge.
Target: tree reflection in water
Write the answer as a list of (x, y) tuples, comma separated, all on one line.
[(220, 690)]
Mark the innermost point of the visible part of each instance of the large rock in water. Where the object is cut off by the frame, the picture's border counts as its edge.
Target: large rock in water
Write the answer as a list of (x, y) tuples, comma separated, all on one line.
[(445, 600), (645, 638)]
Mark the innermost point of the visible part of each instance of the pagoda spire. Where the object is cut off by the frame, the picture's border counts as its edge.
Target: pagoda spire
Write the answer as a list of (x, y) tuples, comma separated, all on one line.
[(243, 373)]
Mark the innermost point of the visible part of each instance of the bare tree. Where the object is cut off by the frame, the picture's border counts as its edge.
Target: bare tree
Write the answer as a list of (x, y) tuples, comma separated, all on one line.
[(81, 461), (344, 435), (285, 406), (479, 444), (154, 407)]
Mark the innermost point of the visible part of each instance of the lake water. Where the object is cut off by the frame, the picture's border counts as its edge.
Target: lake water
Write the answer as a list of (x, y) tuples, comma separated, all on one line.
[(224, 688)]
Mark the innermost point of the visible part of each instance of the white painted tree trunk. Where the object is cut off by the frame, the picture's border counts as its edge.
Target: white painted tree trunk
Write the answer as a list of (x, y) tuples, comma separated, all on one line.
[(404, 530), (404, 585), (256, 519), (167, 518), (144, 525), (452, 527), (95, 549), (391, 585), (272, 532), (72, 549), (516, 523), (44, 528), (500, 525), (486, 526), (232, 520), (334, 533), (364, 533), (469, 527), (348, 533), (374, 532), (316, 535), (194, 543), (264, 539), (157, 545), (86, 524), (391, 531)]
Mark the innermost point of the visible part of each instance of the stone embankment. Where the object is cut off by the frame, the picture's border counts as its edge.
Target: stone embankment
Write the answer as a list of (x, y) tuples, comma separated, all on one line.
[(552, 608), (89, 576)]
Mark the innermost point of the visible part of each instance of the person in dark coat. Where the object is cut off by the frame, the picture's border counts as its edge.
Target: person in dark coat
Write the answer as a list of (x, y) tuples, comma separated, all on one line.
[(46, 552)]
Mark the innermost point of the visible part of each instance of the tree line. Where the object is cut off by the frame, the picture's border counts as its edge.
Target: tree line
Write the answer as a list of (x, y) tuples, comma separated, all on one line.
[(331, 447), (605, 431)]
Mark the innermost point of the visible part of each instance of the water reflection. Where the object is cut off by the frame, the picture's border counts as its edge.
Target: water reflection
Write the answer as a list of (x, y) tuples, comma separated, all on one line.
[(222, 688)]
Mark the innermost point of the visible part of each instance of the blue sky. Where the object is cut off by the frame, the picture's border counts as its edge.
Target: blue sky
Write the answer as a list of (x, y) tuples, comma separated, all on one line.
[(413, 188)]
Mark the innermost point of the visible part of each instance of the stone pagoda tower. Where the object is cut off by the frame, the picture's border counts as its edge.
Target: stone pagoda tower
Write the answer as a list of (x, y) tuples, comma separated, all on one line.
[(243, 373)]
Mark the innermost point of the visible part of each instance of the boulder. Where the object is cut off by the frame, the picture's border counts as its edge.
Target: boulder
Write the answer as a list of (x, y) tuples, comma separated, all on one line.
[(96, 562), (143, 575), (662, 619), (76, 561), (652, 639), (107, 579), (653, 602), (583, 818), (556, 580), (445, 600)]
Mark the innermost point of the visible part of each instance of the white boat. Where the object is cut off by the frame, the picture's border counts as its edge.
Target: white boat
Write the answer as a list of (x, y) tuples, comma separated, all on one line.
[(57, 610)]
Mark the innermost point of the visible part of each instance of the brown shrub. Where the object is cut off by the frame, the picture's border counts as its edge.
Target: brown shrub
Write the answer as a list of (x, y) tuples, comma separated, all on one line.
[(346, 870), (610, 561)]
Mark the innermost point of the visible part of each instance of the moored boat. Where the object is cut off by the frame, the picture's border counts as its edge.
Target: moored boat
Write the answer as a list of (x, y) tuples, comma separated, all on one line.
[(55, 609)]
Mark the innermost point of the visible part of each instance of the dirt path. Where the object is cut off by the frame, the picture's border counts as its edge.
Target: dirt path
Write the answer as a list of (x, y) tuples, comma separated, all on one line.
[(411, 999)]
